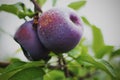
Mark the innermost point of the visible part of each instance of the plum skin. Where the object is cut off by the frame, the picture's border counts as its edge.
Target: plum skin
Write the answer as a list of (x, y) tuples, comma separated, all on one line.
[(28, 39), (60, 29)]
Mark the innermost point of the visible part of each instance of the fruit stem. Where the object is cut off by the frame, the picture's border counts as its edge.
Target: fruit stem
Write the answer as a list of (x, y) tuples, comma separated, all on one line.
[(35, 21), (36, 16), (37, 7)]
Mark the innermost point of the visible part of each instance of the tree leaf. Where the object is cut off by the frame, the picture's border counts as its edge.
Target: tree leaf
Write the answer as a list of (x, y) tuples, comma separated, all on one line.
[(18, 50), (77, 50), (77, 5), (18, 65), (99, 47), (115, 53), (14, 66), (86, 21), (98, 41), (17, 9), (11, 69), (29, 74), (54, 2), (104, 50), (54, 75), (98, 63), (41, 2)]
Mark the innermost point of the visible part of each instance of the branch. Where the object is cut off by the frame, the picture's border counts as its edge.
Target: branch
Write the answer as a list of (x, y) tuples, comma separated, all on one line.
[(66, 71), (4, 64)]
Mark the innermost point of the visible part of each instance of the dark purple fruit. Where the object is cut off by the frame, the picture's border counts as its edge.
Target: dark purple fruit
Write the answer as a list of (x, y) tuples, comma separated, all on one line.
[(60, 29), (28, 39)]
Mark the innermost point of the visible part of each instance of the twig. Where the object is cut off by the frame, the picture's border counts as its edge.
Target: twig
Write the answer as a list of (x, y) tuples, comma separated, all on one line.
[(60, 63), (37, 7), (4, 64), (66, 71)]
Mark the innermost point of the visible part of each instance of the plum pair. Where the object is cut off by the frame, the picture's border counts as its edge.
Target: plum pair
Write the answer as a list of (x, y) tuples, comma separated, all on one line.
[(59, 30)]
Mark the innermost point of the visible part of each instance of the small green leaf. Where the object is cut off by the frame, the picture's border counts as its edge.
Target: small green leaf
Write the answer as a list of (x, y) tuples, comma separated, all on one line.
[(41, 2), (77, 50), (98, 41), (77, 5), (11, 69), (54, 75), (86, 21), (29, 74), (104, 50), (98, 63), (18, 50), (18, 65), (115, 53), (54, 2), (17, 9), (13, 66), (99, 47)]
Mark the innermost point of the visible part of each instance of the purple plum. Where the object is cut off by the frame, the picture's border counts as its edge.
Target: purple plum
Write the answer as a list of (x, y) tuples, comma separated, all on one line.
[(60, 29), (28, 39)]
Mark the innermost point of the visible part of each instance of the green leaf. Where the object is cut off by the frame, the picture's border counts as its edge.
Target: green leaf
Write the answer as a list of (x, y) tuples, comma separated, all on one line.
[(14, 66), (77, 5), (22, 65), (41, 2), (77, 50), (76, 69), (1, 70), (99, 47), (17, 9), (98, 41), (29, 74), (54, 75), (18, 65), (115, 53), (86, 21), (18, 50), (98, 63), (54, 2), (104, 50)]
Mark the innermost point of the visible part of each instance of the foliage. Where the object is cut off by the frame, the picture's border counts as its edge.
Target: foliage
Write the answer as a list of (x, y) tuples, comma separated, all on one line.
[(18, 9), (79, 62)]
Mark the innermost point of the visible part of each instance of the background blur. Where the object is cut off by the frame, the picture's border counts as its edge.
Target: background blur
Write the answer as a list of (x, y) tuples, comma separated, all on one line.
[(105, 14)]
